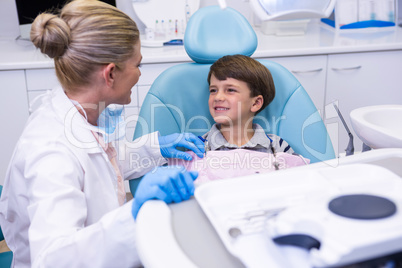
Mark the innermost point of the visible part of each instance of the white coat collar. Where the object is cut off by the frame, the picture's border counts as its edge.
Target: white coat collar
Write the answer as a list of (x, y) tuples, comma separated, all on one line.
[(75, 125)]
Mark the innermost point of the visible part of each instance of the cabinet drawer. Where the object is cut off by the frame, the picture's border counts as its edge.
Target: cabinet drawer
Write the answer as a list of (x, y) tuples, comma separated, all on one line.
[(14, 111), (131, 116), (142, 93), (149, 72), (134, 97), (311, 73), (357, 80), (41, 79)]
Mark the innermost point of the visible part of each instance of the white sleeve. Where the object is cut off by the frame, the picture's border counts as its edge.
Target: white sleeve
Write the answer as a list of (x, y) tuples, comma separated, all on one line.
[(59, 235), (140, 156), (111, 242)]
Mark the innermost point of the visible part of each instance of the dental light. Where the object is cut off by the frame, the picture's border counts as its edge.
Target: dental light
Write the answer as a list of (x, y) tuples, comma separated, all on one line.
[(292, 9)]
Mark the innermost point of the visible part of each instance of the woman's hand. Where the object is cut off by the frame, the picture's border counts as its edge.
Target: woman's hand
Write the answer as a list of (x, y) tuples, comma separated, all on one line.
[(169, 183), (189, 141)]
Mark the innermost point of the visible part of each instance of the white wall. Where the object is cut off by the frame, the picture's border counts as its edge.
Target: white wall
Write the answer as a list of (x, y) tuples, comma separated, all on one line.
[(9, 26)]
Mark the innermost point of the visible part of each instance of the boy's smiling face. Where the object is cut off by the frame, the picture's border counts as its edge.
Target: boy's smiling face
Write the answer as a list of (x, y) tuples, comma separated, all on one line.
[(230, 103)]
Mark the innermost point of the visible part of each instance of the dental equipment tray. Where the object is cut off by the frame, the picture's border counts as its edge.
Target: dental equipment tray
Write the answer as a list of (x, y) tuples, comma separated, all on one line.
[(307, 217)]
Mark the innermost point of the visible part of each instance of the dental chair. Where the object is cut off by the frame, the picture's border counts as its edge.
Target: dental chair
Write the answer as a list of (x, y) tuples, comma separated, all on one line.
[(178, 99), (5, 257)]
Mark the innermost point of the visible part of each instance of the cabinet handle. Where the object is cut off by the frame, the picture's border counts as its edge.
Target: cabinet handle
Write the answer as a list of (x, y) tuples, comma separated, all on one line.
[(347, 68), (307, 71)]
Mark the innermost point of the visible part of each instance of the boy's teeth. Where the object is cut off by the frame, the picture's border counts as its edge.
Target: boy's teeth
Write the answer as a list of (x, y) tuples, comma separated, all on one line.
[(222, 109)]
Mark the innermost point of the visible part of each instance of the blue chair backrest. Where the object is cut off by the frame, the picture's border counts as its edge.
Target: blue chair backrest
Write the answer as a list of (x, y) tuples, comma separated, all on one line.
[(213, 32), (178, 98)]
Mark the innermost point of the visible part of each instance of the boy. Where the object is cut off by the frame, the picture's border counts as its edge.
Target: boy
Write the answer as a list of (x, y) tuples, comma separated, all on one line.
[(239, 88)]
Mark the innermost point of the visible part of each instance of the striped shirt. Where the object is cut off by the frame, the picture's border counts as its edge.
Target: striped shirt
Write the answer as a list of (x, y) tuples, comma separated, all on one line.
[(259, 142)]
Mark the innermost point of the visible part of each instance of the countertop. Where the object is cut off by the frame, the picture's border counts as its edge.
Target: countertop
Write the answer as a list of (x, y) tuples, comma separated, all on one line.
[(318, 39)]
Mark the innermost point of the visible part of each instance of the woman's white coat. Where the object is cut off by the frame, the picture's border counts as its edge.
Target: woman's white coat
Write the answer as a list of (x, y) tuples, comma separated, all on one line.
[(60, 191)]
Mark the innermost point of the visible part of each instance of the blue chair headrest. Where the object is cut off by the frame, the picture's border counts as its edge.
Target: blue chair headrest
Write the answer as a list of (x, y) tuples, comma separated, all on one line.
[(213, 32)]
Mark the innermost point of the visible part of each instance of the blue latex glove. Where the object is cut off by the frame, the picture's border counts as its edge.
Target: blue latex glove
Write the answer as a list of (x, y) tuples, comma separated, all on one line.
[(169, 183), (189, 141)]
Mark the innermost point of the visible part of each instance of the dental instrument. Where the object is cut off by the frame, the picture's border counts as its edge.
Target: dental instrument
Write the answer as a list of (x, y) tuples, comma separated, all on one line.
[(276, 164), (350, 149), (206, 145)]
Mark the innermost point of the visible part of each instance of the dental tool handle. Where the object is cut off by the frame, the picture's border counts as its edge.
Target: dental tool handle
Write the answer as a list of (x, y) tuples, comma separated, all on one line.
[(342, 119), (350, 149), (365, 147)]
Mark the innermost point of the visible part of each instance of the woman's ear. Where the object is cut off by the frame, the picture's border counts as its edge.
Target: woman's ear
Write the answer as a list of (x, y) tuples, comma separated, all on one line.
[(258, 101), (109, 74)]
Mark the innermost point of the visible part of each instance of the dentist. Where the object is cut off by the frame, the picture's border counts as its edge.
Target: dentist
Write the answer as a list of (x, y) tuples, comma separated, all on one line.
[(63, 202)]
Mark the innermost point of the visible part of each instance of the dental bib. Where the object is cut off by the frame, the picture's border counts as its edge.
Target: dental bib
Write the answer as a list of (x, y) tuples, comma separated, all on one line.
[(217, 165)]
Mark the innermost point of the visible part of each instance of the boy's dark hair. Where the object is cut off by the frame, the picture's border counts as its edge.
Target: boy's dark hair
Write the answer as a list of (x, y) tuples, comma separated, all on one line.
[(248, 70)]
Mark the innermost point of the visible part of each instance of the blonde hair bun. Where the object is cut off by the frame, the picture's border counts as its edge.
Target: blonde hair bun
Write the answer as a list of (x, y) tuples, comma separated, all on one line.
[(50, 34), (85, 35)]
